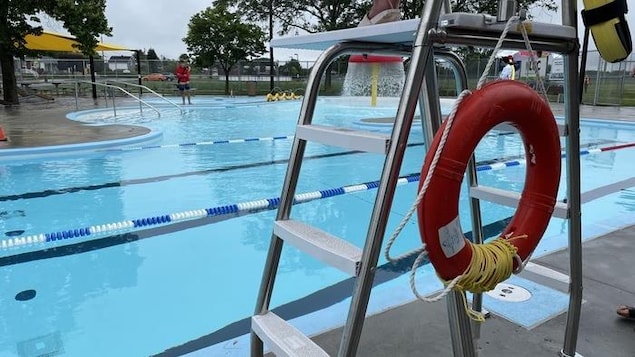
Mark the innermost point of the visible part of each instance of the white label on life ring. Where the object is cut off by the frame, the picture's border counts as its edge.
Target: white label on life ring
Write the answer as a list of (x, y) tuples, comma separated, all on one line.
[(451, 238)]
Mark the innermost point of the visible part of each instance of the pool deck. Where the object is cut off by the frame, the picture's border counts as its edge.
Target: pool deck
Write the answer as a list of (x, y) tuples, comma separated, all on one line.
[(43, 123), (422, 329), (417, 328)]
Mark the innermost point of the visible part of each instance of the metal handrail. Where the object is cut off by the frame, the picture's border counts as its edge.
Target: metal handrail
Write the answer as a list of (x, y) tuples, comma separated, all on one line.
[(148, 89), (141, 101)]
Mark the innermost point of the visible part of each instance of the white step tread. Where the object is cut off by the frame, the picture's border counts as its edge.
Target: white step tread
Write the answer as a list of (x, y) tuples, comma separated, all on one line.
[(510, 199), (321, 245), (284, 339), (344, 137)]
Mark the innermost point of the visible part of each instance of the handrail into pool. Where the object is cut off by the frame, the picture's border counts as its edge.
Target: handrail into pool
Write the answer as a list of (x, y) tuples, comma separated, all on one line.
[(141, 101), (146, 88)]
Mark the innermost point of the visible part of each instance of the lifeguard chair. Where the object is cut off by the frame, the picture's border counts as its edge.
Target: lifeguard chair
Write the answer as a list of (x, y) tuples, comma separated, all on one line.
[(422, 40)]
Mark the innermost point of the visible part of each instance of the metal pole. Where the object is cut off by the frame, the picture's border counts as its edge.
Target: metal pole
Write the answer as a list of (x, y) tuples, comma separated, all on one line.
[(91, 61), (506, 9), (596, 93), (138, 57), (460, 327), (475, 205), (286, 196), (114, 107), (76, 95), (422, 52), (585, 50), (271, 70), (572, 118)]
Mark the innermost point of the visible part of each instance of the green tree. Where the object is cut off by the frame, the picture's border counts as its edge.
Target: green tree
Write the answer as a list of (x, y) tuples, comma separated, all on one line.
[(307, 15), (84, 19), (327, 15), (217, 35), (292, 68), (412, 8)]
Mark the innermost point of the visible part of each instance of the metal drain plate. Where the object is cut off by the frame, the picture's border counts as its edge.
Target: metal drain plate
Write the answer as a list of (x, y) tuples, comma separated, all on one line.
[(509, 293)]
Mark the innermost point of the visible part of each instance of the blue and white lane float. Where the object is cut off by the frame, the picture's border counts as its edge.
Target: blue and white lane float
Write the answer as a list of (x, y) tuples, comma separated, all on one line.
[(237, 209), (203, 143)]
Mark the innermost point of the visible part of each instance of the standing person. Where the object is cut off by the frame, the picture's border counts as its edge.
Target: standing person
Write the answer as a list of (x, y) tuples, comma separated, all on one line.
[(183, 80), (587, 82), (509, 71)]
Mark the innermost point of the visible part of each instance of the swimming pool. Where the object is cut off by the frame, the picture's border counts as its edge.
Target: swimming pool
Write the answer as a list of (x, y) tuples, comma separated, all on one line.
[(179, 286)]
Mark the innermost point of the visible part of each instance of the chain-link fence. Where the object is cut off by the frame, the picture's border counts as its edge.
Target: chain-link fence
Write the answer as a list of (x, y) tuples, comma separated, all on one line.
[(603, 83)]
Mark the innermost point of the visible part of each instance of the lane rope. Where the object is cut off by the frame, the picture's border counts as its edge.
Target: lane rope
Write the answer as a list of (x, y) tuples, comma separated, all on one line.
[(239, 208)]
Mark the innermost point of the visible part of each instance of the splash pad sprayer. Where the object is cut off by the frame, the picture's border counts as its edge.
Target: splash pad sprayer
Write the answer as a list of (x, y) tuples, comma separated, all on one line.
[(370, 69)]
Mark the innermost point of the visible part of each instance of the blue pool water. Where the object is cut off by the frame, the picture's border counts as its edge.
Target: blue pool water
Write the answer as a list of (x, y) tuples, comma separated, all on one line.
[(181, 286)]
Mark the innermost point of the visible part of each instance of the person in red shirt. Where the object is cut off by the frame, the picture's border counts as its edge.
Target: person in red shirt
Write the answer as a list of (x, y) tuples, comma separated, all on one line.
[(183, 80)]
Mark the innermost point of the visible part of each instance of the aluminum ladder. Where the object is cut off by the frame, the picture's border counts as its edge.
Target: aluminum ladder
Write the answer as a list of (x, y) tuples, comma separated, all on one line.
[(458, 29)]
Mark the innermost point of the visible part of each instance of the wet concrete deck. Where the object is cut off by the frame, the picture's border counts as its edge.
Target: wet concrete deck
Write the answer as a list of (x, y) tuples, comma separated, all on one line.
[(422, 329), (44, 123)]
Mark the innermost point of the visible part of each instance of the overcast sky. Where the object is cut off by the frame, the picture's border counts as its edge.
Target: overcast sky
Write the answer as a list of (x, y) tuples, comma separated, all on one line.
[(161, 25)]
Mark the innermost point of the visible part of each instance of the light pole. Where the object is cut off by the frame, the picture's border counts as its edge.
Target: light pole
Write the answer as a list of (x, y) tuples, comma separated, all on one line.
[(297, 58), (271, 69)]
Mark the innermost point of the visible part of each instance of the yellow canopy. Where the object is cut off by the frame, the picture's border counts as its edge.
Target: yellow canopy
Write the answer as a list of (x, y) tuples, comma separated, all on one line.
[(49, 41)]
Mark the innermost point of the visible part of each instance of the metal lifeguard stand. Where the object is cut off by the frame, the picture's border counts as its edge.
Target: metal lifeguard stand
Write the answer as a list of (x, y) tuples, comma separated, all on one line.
[(421, 39)]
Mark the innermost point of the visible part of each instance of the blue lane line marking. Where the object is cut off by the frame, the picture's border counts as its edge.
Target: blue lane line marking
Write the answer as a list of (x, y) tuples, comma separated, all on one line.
[(215, 142)]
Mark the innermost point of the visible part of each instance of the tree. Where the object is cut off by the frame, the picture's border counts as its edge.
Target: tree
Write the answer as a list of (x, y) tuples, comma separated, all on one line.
[(84, 19), (327, 15), (412, 8), (292, 68), (308, 15), (217, 35)]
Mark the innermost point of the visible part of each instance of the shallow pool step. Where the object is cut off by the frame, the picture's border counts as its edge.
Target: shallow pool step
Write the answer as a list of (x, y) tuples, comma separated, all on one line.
[(321, 245), (282, 338), (510, 199), (344, 137)]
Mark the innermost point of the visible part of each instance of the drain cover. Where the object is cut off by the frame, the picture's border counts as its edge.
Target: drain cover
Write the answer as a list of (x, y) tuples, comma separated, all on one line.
[(42, 346), (509, 293)]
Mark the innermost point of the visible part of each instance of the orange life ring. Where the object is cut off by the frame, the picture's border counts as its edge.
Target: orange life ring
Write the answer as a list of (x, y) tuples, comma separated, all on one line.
[(501, 101)]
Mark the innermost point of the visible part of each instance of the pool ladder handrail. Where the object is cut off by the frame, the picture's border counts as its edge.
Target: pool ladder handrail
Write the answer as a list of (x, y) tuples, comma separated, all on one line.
[(141, 101), (149, 90), (284, 339)]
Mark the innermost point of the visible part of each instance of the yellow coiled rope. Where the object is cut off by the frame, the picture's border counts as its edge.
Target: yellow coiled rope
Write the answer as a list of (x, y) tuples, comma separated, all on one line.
[(492, 263)]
